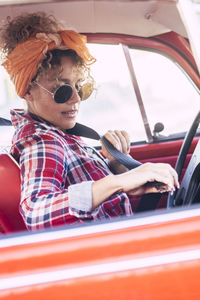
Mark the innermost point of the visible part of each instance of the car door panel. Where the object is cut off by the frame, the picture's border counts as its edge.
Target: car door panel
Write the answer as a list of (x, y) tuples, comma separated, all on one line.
[(165, 152)]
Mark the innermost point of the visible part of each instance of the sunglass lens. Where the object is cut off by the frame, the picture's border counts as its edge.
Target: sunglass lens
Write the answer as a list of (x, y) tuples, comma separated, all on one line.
[(86, 91), (63, 94)]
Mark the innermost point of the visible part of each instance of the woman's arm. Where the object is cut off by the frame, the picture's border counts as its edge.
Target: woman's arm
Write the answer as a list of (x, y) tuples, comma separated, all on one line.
[(46, 202), (135, 181)]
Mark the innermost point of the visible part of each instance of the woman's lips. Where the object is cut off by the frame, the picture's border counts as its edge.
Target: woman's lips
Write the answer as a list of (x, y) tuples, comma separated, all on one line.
[(69, 114)]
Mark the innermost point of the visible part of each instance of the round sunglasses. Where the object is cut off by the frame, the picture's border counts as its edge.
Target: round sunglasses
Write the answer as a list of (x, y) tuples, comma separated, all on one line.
[(64, 92)]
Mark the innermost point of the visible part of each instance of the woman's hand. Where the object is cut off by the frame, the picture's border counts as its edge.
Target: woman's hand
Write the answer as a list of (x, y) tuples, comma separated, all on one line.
[(119, 139), (135, 182)]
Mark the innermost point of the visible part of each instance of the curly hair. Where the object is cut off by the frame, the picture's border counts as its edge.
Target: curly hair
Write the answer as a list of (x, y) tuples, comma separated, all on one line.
[(27, 25), (23, 27)]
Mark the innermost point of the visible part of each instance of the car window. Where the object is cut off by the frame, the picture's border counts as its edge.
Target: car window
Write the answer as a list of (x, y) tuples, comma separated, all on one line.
[(168, 95)]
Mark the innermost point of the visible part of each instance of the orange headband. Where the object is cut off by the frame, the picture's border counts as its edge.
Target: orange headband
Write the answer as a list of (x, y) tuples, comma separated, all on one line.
[(23, 61)]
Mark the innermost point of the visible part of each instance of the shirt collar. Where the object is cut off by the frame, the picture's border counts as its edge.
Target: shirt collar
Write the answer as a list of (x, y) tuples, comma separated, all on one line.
[(20, 118)]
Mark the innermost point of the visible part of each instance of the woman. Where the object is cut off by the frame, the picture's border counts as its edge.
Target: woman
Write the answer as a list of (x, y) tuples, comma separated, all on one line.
[(63, 181)]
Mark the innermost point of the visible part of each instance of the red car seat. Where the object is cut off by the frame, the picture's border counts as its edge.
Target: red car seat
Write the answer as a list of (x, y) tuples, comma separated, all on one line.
[(10, 218)]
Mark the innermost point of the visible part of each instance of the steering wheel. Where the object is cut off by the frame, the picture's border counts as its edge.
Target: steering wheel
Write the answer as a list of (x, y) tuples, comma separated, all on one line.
[(190, 185)]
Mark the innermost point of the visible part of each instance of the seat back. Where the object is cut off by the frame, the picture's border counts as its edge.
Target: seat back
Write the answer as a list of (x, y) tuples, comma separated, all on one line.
[(10, 218)]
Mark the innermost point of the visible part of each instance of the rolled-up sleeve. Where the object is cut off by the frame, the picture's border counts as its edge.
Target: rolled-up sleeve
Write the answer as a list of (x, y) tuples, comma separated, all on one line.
[(80, 196)]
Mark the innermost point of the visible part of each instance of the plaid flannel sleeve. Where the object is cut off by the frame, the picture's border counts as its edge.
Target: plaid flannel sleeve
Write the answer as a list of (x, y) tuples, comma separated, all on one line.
[(45, 201)]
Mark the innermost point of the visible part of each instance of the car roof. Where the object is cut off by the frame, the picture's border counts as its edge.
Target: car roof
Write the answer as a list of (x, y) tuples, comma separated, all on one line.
[(143, 18)]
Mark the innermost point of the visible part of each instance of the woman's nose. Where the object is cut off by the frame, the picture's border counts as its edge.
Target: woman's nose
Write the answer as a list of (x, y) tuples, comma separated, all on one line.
[(75, 96)]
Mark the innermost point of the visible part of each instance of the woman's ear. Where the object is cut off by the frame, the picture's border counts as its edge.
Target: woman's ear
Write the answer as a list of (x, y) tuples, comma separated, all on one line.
[(28, 96)]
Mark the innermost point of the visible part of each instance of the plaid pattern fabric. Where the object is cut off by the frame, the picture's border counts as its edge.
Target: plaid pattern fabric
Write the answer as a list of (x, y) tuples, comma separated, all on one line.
[(50, 162)]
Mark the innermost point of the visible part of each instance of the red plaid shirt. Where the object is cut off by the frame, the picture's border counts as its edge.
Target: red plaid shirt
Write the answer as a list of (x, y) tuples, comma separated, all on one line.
[(52, 163)]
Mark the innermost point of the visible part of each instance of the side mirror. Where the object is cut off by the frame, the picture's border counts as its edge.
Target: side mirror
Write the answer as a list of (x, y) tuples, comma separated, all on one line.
[(158, 127)]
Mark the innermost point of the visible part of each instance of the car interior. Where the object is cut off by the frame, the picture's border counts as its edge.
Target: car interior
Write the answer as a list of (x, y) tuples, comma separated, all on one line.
[(136, 27)]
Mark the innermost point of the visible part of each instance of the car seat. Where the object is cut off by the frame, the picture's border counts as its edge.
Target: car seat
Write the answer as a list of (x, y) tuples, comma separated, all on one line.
[(10, 218)]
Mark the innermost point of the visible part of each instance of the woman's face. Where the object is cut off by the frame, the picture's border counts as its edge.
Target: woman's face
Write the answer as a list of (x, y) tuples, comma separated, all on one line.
[(42, 103)]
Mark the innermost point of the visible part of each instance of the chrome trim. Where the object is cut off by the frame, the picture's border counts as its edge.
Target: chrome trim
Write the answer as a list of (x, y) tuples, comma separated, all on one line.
[(97, 269), (56, 234)]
